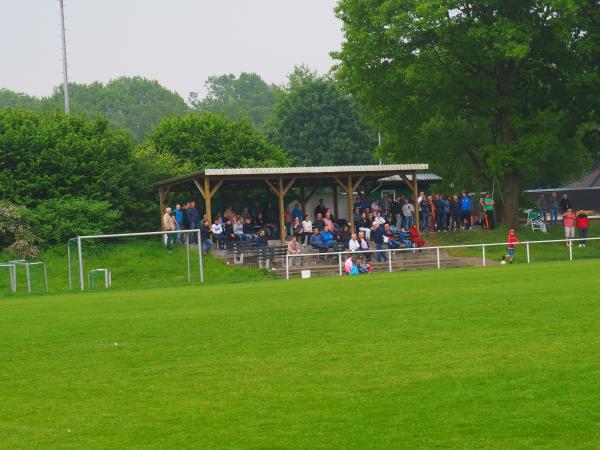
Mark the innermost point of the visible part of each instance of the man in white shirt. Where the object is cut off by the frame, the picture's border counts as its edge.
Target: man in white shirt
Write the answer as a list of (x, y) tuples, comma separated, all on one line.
[(217, 230), (353, 244)]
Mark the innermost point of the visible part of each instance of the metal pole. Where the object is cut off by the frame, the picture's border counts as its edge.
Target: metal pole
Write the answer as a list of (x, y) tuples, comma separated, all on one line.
[(45, 275), (438, 258), (69, 259), (287, 267), (64, 57), (340, 263), (528, 255), (28, 277), (390, 261), (80, 254), (483, 255), (187, 248), (570, 244), (200, 260), (13, 269)]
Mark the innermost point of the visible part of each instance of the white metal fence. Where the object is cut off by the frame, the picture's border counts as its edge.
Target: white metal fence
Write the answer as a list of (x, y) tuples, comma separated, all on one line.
[(436, 249)]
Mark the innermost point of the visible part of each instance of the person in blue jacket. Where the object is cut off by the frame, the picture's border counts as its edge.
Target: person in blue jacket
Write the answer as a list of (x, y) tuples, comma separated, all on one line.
[(179, 221), (377, 234), (466, 206)]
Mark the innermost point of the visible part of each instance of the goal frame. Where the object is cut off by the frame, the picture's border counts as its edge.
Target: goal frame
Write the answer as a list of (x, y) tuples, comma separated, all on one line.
[(80, 239)]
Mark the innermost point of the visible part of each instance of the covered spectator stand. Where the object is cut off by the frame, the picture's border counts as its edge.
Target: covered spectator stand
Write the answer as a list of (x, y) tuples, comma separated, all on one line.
[(299, 182)]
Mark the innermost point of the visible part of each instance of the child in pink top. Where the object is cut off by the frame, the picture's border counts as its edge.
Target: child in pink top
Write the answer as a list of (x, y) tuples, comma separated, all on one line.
[(569, 224)]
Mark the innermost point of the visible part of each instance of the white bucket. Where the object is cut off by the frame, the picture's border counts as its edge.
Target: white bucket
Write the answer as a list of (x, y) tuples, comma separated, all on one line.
[(305, 273)]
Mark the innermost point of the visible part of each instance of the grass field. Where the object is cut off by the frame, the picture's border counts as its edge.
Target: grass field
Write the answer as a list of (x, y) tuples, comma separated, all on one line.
[(502, 357)]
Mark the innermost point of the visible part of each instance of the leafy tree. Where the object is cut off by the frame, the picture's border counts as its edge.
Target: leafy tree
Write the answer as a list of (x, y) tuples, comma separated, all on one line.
[(210, 140), (318, 124), (10, 99), (494, 86), (60, 219), (50, 156), (132, 103), (235, 98)]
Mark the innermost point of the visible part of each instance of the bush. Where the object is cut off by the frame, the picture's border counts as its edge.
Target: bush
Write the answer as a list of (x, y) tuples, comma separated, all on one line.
[(58, 220), (16, 234)]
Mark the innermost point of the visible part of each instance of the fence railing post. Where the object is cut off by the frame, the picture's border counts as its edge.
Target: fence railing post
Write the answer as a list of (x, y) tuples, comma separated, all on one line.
[(390, 261), (439, 265), (287, 267), (483, 255), (528, 254), (570, 244), (340, 263)]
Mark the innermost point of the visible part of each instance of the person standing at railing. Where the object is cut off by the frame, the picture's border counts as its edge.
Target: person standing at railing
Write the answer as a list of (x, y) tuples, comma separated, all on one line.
[(489, 204), (569, 224), (583, 224), (378, 236), (169, 225), (466, 207), (294, 249)]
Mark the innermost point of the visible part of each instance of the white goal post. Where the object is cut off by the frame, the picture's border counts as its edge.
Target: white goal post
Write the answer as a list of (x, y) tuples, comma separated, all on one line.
[(80, 239)]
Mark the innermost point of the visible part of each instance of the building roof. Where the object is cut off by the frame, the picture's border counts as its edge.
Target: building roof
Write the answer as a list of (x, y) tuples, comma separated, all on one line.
[(420, 177), (373, 171), (589, 180)]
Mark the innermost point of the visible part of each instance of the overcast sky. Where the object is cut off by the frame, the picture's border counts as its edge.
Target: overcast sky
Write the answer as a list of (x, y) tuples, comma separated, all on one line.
[(177, 42)]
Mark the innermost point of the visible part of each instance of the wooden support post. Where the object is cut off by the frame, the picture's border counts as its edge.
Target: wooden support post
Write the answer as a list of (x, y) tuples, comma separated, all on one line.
[(302, 201), (335, 201), (349, 192), (207, 200), (162, 195), (416, 200), (281, 195)]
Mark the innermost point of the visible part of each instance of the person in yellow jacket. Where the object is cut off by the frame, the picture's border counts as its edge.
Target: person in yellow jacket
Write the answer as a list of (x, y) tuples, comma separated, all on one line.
[(169, 225)]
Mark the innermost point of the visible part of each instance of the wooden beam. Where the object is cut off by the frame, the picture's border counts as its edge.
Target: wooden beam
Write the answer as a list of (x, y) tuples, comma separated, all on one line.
[(349, 192), (416, 200), (335, 202), (312, 192), (281, 195), (357, 184), (302, 199), (216, 188), (273, 188), (200, 188), (162, 195), (207, 200), (289, 185), (342, 185)]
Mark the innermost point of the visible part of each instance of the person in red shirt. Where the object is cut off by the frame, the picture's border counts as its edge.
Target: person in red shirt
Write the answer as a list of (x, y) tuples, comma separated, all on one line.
[(512, 240), (582, 222)]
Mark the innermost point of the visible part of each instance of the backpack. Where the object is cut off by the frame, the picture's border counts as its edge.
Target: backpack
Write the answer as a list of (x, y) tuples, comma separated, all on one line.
[(354, 270)]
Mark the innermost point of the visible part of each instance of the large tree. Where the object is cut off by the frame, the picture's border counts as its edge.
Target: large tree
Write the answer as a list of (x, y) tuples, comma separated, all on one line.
[(246, 96), (132, 103), (209, 140), (316, 123), (486, 86)]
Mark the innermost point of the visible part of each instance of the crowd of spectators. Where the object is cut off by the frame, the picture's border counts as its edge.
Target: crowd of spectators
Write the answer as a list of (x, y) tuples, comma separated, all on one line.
[(388, 223)]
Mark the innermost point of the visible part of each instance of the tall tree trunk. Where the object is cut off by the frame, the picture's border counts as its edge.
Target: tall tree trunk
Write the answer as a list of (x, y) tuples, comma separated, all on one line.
[(512, 190), (511, 181)]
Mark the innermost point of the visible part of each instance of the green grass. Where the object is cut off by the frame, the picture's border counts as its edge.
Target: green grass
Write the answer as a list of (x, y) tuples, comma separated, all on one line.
[(502, 357), (538, 252), (134, 264)]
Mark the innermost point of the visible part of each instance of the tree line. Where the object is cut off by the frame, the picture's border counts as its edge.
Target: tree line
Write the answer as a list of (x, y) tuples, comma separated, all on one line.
[(93, 171)]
